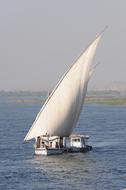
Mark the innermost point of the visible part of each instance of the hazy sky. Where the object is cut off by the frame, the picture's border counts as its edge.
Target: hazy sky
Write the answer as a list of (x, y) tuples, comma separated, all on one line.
[(39, 39)]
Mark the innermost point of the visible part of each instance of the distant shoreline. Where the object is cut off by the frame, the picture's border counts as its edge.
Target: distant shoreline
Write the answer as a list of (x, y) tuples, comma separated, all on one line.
[(114, 102), (114, 98)]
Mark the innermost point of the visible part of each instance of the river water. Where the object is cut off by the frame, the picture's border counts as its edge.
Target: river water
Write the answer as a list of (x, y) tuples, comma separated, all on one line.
[(104, 168)]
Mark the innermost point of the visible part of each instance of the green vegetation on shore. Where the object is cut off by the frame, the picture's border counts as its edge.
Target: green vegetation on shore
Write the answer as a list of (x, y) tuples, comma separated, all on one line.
[(108, 101), (108, 98)]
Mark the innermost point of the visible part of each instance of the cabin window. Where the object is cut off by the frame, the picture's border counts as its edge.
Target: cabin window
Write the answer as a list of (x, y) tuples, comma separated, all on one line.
[(38, 142), (43, 144), (57, 145), (76, 140), (50, 144), (61, 142)]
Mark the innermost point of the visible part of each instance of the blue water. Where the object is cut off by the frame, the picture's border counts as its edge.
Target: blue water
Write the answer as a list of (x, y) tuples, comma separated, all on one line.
[(104, 168)]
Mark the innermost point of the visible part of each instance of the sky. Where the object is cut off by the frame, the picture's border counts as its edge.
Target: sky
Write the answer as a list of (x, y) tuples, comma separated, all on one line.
[(40, 39)]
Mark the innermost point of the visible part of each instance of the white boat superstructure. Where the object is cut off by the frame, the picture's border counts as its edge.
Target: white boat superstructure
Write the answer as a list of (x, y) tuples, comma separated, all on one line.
[(46, 145), (60, 113)]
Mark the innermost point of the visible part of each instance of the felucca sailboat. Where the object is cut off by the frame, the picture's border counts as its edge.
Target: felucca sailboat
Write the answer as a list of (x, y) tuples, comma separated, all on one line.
[(54, 123)]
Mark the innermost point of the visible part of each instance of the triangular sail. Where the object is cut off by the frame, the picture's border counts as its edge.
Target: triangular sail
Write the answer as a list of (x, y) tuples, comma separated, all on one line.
[(61, 111)]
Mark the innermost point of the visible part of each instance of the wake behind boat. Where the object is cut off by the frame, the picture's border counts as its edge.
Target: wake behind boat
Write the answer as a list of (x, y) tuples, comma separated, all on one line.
[(54, 123)]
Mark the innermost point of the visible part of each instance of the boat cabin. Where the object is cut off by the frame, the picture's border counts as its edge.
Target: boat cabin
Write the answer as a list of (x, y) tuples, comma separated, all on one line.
[(49, 142), (48, 145), (78, 141)]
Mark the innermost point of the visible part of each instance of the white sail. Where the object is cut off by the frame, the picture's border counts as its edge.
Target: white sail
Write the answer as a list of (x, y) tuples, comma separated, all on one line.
[(61, 111)]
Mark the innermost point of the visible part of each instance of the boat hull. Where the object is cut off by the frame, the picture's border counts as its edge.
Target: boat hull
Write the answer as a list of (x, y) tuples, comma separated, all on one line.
[(76, 149), (49, 151), (56, 151)]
